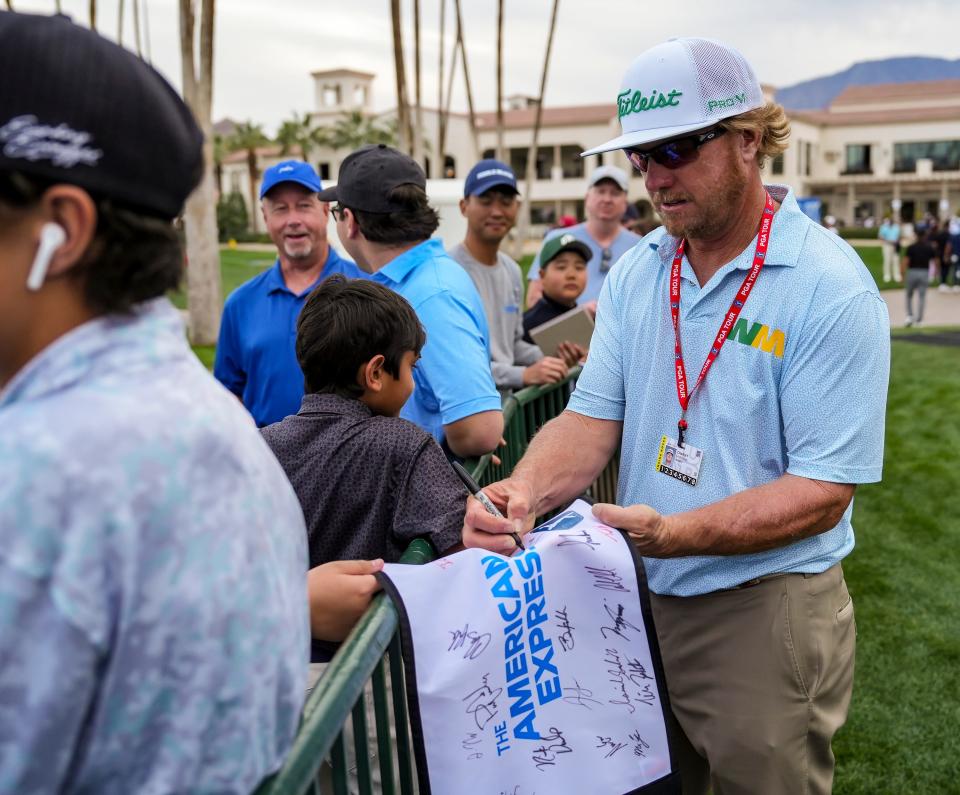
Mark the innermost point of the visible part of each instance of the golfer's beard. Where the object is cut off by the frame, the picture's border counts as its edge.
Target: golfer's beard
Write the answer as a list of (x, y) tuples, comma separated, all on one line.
[(302, 250), (714, 214)]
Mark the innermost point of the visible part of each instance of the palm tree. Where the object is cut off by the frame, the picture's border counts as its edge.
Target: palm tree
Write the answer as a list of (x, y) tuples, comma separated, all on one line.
[(200, 215), (466, 79), (524, 227), (500, 80), (93, 15), (120, 6), (352, 130), (247, 138), (441, 120), (403, 106), (418, 107), (296, 134)]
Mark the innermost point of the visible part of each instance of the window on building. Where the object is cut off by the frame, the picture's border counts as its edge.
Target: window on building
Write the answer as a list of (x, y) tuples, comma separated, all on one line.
[(570, 161), (800, 151), (359, 95), (449, 167), (776, 164), (235, 182), (518, 161), (543, 213), (807, 158), (331, 96), (323, 169), (944, 154), (488, 154), (858, 159)]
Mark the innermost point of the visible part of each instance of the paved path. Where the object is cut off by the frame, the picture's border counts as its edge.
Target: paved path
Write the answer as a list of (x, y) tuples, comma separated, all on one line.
[(942, 309)]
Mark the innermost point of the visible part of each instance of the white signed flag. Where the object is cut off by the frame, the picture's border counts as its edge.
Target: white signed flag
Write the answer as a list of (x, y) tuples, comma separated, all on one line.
[(537, 673)]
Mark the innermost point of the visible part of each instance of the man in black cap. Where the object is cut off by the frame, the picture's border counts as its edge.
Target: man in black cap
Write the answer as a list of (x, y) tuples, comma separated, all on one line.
[(153, 612), (385, 221)]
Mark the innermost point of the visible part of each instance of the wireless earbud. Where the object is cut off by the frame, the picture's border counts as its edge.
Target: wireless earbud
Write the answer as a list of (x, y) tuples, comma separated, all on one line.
[(52, 237)]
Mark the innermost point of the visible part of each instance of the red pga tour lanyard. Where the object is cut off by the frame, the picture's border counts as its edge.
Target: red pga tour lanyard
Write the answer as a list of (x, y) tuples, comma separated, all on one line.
[(763, 240)]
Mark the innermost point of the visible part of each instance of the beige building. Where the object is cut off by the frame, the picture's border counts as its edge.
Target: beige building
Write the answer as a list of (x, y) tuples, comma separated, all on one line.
[(883, 149)]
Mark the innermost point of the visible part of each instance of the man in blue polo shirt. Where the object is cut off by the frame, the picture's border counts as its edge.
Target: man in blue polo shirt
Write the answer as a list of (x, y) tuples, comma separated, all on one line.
[(256, 359), (752, 345), (385, 222)]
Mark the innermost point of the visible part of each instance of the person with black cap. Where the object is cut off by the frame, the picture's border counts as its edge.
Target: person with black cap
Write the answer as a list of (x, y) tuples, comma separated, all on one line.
[(385, 222), (490, 204), (255, 352), (153, 612)]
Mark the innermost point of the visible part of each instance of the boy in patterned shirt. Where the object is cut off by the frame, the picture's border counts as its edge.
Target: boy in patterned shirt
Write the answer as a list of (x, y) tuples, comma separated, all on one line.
[(368, 481)]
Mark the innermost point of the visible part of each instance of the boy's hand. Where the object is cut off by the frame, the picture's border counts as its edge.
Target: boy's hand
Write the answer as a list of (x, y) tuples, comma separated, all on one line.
[(549, 370), (571, 353), (339, 593)]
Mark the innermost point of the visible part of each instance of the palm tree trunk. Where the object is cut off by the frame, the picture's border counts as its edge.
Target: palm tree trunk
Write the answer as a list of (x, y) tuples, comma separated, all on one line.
[(200, 217), (441, 120), (524, 228), (500, 151), (445, 112), (466, 79), (418, 110), (403, 108), (93, 15), (136, 27), (120, 6)]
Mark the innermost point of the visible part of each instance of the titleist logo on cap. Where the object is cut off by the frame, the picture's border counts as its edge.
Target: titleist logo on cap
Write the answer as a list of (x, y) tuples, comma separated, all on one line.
[(24, 137)]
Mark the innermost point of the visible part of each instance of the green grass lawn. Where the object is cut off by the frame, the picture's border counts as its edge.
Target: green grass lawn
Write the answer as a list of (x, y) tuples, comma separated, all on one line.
[(236, 267), (901, 736)]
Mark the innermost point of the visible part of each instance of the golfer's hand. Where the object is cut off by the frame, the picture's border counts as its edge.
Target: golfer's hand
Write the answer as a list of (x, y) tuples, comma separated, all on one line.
[(339, 593), (515, 500), (646, 528)]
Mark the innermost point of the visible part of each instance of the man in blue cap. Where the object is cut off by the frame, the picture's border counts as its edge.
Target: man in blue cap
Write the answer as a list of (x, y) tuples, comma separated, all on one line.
[(256, 359), (490, 204)]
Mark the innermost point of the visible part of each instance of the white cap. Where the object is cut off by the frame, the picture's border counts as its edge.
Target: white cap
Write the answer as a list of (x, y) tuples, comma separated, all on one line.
[(680, 86), (618, 175)]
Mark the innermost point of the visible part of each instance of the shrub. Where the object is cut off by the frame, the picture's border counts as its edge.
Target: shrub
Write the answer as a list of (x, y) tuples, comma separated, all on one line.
[(231, 216)]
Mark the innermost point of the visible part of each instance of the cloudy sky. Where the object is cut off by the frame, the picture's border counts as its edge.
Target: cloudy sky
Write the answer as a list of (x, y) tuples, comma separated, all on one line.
[(265, 50)]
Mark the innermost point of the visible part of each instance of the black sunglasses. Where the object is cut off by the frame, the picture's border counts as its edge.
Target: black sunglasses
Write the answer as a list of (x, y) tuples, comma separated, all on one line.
[(675, 153)]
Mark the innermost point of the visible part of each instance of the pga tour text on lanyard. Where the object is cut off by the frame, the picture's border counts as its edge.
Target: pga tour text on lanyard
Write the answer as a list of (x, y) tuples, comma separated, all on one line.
[(683, 393)]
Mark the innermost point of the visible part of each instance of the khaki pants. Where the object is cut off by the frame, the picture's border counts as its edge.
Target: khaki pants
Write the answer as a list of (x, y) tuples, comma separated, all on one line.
[(760, 680)]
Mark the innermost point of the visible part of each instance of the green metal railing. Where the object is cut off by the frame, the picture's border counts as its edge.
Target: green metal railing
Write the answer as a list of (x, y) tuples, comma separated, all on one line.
[(371, 653)]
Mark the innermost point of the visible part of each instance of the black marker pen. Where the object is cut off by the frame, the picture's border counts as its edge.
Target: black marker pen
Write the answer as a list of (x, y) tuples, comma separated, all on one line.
[(482, 498)]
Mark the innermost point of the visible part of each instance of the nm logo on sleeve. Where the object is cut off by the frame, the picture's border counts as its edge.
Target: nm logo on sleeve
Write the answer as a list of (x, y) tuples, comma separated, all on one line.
[(757, 335)]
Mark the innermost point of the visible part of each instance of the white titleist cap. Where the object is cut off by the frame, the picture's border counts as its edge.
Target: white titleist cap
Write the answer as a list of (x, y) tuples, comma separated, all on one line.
[(680, 86)]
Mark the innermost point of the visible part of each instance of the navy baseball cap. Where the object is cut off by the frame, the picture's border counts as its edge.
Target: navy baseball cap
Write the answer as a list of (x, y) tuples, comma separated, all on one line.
[(291, 171), (489, 174)]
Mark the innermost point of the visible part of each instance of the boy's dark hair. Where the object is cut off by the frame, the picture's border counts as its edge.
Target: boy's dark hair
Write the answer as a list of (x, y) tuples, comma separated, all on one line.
[(344, 324), (132, 258), (417, 221)]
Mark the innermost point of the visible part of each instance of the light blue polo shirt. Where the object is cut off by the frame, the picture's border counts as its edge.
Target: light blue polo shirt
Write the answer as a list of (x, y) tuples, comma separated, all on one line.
[(800, 386), (452, 379), (625, 241)]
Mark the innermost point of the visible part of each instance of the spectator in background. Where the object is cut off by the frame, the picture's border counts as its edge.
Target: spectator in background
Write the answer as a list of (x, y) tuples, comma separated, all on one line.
[(605, 204), (563, 274), (153, 611), (940, 240), (917, 261), (255, 354), (490, 204), (889, 235), (953, 227), (385, 221)]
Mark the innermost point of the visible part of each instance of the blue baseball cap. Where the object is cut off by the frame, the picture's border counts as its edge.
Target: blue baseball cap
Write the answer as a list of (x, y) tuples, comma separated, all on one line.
[(489, 174), (291, 171)]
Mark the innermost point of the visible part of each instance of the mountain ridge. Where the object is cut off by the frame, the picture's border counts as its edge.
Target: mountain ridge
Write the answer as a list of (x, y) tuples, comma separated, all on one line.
[(819, 92)]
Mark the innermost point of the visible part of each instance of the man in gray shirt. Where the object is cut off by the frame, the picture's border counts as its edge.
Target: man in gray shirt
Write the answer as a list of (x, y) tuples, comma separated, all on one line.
[(490, 205)]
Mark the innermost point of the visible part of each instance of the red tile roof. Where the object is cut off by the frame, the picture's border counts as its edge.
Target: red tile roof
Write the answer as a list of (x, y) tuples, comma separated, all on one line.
[(552, 116), (897, 92)]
